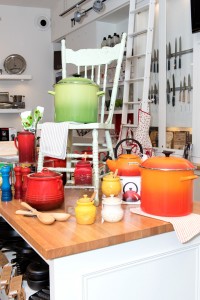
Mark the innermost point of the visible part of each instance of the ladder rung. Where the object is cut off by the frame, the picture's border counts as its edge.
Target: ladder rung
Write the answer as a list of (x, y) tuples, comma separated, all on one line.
[(135, 79), (132, 102), (130, 126), (82, 144), (140, 9), (138, 33), (136, 56)]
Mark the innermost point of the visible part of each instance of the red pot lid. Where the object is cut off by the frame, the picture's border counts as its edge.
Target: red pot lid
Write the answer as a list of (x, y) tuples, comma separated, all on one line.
[(167, 163), (45, 173)]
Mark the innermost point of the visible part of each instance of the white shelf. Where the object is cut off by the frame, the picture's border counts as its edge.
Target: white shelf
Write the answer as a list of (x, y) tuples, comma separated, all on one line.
[(15, 77), (11, 110)]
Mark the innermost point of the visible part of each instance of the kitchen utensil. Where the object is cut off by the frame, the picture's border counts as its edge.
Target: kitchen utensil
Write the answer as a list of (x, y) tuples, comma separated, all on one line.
[(180, 49), (111, 185), (157, 61), (5, 105), (4, 97), (85, 211), (76, 99), (57, 216), (83, 173), (184, 89), (17, 98), (175, 53), (14, 64), (25, 171), (168, 91), (173, 91), (169, 56), (155, 93), (189, 88), (111, 209), (25, 143), (43, 294), (127, 164), (37, 284), (180, 92), (45, 190), (6, 191), (45, 218), (167, 186), (37, 271), (131, 194), (18, 183)]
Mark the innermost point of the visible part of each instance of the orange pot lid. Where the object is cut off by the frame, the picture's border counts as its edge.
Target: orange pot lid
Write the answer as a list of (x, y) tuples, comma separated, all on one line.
[(167, 163)]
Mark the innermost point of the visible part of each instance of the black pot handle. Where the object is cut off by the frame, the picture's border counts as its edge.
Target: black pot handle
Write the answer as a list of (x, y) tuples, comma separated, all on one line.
[(124, 140), (167, 152), (131, 183)]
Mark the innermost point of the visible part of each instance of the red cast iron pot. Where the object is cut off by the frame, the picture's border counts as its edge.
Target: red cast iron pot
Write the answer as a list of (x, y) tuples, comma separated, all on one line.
[(167, 186), (45, 190)]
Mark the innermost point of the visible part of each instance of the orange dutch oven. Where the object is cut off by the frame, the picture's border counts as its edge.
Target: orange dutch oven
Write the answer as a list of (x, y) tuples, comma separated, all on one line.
[(167, 185)]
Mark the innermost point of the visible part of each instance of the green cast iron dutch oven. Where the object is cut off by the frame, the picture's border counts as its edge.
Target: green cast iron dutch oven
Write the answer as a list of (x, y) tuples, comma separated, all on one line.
[(76, 99)]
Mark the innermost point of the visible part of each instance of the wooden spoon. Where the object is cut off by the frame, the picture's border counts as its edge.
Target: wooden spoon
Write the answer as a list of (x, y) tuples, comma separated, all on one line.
[(44, 218), (93, 196), (57, 216), (115, 174)]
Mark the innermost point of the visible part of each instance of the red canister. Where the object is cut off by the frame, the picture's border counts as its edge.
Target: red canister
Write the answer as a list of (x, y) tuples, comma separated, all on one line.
[(25, 143), (83, 173)]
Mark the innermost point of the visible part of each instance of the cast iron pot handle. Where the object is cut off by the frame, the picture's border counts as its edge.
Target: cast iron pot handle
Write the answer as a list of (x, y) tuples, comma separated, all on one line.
[(128, 139)]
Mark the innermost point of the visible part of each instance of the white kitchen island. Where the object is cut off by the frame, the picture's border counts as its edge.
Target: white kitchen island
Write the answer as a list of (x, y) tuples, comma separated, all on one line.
[(138, 258)]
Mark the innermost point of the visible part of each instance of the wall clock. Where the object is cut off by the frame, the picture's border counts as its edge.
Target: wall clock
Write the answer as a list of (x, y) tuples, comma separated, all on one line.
[(14, 64)]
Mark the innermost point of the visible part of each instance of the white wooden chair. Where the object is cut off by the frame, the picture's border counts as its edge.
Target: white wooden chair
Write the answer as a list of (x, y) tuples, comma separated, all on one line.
[(96, 62)]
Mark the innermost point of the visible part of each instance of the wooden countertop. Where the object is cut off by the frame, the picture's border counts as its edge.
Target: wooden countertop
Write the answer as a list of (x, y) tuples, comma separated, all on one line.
[(66, 238)]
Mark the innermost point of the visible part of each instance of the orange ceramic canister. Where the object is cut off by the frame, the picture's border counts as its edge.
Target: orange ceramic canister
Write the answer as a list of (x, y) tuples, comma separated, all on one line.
[(167, 186)]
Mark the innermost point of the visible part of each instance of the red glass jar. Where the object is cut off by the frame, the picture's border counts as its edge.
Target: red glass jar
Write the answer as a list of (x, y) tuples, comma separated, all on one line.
[(83, 173)]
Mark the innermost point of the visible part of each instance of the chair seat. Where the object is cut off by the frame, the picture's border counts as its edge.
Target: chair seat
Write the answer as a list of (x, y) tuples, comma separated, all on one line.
[(102, 126)]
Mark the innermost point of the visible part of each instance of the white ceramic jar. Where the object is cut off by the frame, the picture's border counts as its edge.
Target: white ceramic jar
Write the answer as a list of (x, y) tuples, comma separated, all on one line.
[(111, 209)]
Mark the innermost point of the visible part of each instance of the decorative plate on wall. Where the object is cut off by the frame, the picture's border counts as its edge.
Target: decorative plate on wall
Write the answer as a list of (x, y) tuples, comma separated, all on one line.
[(14, 64)]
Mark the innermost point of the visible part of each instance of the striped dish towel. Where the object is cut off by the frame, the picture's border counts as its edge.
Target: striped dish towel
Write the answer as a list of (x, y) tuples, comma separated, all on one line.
[(53, 141), (186, 227)]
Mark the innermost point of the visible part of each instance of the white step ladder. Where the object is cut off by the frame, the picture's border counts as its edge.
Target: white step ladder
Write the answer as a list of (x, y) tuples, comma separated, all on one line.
[(138, 63)]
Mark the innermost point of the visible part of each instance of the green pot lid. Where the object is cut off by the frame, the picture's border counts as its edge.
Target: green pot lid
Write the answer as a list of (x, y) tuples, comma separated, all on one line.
[(77, 80)]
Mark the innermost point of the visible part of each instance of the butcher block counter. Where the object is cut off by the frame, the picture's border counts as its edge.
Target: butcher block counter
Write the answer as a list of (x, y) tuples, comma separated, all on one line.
[(66, 238), (112, 260)]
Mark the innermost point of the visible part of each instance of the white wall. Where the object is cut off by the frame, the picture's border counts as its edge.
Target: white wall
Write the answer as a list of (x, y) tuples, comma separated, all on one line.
[(20, 35)]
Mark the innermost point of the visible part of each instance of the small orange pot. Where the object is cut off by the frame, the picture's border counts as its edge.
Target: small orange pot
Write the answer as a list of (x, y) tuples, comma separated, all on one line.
[(167, 186)]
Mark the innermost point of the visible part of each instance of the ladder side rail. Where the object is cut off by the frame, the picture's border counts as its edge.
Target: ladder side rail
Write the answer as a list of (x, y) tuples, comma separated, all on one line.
[(128, 63), (145, 103)]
